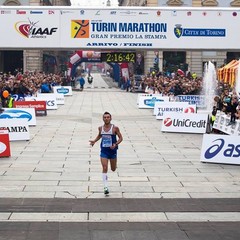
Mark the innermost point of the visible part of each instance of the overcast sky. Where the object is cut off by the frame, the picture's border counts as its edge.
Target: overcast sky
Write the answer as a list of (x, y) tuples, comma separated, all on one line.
[(96, 3)]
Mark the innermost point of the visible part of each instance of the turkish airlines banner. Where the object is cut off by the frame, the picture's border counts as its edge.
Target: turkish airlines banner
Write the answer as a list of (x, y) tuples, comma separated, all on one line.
[(220, 149), (198, 100), (184, 122), (172, 107), (119, 28)]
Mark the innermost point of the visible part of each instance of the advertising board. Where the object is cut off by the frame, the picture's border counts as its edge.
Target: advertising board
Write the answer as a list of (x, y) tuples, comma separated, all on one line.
[(120, 28), (172, 107), (51, 102), (39, 106), (220, 149), (149, 101), (17, 113), (184, 122), (18, 129)]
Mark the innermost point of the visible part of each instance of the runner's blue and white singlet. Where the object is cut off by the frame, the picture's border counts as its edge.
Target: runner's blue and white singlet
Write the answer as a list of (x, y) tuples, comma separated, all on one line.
[(108, 139)]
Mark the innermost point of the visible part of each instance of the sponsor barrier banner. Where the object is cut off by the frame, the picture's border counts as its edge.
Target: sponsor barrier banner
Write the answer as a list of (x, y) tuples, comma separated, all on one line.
[(4, 143), (220, 149), (172, 107), (39, 106), (221, 123), (184, 122), (198, 100), (59, 97), (51, 102), (147, 95), (18, 129), (65, 90), (20, 113), (149, 101)]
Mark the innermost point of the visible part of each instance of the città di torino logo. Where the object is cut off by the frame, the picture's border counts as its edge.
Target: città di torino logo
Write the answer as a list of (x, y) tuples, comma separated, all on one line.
[(32, 29)]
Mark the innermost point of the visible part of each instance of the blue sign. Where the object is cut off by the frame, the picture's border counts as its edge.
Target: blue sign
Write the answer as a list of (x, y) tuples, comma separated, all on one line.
[(63, 90), (151, 102), (228, 150), (15, 113)]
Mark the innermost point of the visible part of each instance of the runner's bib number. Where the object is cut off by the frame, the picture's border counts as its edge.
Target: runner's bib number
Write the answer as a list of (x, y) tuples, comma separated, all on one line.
[(106, 140)]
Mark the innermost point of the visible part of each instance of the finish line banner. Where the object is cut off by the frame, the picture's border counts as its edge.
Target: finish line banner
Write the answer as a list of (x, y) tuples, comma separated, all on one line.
[(119, 28)]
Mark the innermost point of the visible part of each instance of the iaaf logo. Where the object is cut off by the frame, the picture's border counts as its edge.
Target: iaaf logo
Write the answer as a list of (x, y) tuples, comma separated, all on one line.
[(3, 147), (228, 150), (32, 30), (184, 123)]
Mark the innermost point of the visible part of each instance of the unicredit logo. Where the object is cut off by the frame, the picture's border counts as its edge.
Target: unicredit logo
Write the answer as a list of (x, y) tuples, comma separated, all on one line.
[(3, 147), (228, 150), (189, 110), (188, 123), (167, 122)]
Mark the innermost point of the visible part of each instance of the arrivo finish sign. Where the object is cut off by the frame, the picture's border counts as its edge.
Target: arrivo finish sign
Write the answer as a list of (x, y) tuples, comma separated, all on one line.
[(130, 28)]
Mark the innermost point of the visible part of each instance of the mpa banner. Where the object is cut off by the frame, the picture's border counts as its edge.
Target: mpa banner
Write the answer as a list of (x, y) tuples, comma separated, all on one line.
[(184, 122), (119, 28), (18, 129), (220, 149)]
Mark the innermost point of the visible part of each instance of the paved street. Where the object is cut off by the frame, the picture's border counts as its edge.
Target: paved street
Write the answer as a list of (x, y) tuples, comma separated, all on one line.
[(51, 187)]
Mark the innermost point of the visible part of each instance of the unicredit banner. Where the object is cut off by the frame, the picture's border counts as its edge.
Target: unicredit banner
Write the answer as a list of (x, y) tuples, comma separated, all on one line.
[(184, 122), (120, 28)]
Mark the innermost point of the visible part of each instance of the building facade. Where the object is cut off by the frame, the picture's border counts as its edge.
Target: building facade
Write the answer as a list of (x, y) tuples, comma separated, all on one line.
[(186, 60), (32, 60)]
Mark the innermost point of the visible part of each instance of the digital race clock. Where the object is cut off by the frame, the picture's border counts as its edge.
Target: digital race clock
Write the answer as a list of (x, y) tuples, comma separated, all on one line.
[(118, 57)]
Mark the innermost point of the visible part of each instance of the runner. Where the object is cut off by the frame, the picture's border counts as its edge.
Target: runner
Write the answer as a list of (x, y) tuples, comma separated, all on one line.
[(109, 146)]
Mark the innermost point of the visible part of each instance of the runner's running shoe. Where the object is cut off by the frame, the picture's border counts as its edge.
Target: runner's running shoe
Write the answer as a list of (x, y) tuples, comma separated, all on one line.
[(106, 191)]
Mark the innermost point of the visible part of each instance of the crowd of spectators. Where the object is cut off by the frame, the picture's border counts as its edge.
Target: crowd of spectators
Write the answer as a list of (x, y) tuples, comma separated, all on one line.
[(226, 100), (172, 85), (20, 85)]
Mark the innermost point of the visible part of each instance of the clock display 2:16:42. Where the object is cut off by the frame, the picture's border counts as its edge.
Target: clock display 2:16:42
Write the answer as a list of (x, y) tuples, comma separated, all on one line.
[(118, 57)]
